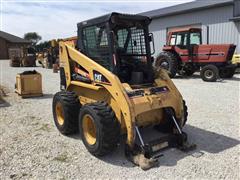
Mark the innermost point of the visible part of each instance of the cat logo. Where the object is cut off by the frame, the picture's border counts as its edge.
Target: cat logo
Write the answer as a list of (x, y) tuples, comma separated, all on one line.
[(98, 77)]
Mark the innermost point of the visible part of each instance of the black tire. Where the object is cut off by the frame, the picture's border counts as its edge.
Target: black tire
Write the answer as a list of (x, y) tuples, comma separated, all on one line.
[(185, 109), (168, 125), (70, 105), (107, 128), (209, 73), (168, 61), (227, 72)]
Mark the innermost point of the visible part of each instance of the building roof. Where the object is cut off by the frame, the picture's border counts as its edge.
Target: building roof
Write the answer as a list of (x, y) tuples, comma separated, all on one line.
[(13, 39), (186, 7)]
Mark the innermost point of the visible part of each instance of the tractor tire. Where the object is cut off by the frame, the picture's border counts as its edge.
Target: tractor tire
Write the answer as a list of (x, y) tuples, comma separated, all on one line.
[(168, 125), (227, 72), (209, 73), (168, 61), (99, 128), (65, 109), (185, 111)]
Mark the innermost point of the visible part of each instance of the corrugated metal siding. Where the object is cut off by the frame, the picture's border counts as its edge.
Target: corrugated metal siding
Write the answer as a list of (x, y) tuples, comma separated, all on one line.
[(159, 40), (221, 30), (238, 44)]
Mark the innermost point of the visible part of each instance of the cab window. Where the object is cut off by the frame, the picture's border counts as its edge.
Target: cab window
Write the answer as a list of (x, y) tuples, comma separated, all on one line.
[(95, 44), (179, 39), (195, 38), (173, 39)]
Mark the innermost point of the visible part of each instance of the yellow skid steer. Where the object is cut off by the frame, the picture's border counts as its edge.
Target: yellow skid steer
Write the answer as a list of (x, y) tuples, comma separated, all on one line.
[(109, 88)]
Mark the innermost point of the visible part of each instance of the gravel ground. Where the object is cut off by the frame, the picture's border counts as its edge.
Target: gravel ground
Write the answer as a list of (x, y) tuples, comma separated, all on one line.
[(32, 148)]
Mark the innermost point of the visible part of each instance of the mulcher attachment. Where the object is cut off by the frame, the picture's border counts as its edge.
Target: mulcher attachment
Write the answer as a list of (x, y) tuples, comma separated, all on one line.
[(146, 155)]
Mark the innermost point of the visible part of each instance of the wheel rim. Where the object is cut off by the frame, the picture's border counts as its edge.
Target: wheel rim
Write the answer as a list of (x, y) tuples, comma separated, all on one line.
[(208, 74), (59, 113), (89, 129), (164, 64)]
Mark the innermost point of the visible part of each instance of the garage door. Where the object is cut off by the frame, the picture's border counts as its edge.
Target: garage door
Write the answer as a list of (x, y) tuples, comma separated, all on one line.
[(14, 52)]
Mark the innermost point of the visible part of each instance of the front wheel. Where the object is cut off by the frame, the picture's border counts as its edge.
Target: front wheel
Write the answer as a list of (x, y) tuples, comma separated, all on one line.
[(99, 128), (209, 73), (65, 109)]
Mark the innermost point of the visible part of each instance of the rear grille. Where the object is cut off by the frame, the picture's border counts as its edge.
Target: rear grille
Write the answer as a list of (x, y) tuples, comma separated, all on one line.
[(230, 52)]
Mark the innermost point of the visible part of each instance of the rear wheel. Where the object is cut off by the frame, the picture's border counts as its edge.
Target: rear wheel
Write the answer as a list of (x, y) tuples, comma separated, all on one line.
[(168, 61), (209, 73), (65, 109), (99, 128), (227, 72)]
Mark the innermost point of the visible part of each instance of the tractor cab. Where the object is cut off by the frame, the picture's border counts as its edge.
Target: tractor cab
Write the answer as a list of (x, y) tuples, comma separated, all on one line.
[(120, 43), (185, 39)]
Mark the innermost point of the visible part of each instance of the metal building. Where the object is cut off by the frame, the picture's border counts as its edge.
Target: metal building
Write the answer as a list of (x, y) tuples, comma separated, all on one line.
[(219, 20)]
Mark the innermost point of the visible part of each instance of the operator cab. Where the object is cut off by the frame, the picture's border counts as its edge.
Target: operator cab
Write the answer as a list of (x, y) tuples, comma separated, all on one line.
[(185, 37), (120, 43)]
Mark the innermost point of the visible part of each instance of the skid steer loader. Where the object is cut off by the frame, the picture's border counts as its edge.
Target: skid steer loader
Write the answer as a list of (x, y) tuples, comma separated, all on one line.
[(109, 88)]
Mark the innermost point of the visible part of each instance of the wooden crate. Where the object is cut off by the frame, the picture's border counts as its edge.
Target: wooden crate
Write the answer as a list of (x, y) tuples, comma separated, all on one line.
[(29, 85)]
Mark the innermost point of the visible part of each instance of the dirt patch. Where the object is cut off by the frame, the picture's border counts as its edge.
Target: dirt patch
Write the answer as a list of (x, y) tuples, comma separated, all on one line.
[(62, 157), (3, 91)]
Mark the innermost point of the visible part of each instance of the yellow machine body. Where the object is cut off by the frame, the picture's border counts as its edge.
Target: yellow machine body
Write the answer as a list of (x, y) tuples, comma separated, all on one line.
[(236, 59), (142, 110)]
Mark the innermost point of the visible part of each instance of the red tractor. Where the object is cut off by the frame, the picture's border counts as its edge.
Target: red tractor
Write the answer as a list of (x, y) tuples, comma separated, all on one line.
[(184, 54)]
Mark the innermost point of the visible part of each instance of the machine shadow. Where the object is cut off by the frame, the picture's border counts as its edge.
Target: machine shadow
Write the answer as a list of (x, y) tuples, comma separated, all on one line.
[(45, 96), (194, 76), (206, 141), (4, 103), (233, 79)]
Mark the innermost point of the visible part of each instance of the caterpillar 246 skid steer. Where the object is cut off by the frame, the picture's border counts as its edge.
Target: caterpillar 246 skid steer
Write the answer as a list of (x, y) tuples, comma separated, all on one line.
[(109, 88)]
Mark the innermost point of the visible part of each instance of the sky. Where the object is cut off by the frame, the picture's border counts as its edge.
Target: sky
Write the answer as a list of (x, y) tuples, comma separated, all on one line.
[(54, 19)]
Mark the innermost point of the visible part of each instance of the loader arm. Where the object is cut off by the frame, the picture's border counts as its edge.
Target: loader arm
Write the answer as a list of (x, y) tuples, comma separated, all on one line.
[(115, 88)]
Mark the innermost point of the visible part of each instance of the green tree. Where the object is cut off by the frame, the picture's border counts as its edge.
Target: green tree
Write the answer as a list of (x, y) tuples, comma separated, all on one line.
[(42, 45), (33, 37)]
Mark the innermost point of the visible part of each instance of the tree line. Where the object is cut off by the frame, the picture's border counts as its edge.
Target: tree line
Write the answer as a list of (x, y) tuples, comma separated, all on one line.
[(34, 38)]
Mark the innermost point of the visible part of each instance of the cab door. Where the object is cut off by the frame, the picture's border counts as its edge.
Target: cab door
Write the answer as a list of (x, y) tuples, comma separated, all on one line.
[(180, 41), (197, 51)]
